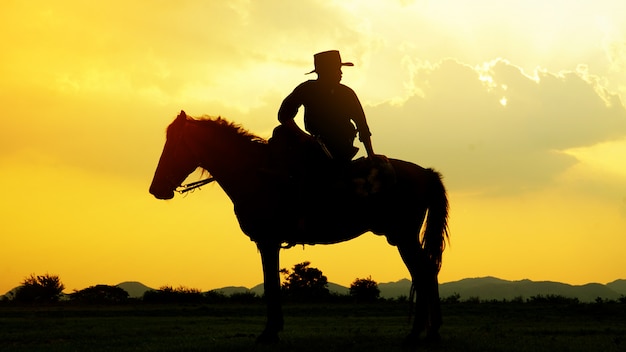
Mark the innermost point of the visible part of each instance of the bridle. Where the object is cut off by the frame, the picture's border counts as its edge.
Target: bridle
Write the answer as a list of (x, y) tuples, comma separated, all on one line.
[(193, 185), (184, 188)]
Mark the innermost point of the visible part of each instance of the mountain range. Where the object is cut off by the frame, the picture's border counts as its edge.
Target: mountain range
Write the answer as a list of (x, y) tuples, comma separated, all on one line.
[(484, 288)]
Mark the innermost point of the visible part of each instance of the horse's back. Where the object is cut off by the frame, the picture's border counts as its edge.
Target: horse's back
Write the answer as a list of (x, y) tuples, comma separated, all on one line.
[(410, 175)]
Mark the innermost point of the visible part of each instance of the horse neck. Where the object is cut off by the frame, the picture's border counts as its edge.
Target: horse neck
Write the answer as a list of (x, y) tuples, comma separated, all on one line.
[(233, 162)]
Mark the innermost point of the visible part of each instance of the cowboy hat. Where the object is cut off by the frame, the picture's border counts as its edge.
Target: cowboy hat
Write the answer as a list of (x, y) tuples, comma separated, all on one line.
[(328, 60)]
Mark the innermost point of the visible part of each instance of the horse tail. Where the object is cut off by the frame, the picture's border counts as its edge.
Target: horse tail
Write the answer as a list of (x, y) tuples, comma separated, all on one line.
[(436, 230)]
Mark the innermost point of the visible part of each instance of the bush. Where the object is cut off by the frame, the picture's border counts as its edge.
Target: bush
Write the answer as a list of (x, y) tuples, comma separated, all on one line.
[(100, 294), (473, 300), (365, 290), (454, 298), (244, 297), (40, 289), (168, 294), (553, 299), (304, 282), (214, 296)]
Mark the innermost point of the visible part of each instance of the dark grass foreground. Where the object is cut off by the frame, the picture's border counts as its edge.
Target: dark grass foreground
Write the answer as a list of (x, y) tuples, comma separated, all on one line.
[(312, 327)]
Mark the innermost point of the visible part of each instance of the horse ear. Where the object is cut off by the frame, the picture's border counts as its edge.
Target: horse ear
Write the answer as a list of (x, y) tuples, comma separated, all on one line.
[(182, 115)]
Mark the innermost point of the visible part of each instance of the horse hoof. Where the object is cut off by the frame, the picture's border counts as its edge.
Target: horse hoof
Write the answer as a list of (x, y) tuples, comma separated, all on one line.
[(267, 338), (433, 338), (411, 341)]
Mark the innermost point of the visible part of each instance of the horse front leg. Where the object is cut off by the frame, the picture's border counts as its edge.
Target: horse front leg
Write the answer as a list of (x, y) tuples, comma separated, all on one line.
[(271, 282)]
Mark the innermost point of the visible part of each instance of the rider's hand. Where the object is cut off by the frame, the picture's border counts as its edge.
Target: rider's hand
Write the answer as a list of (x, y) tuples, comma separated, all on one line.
[(378, 157)]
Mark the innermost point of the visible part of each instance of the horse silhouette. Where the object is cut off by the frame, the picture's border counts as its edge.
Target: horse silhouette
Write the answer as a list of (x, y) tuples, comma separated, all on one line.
[(412, 213)]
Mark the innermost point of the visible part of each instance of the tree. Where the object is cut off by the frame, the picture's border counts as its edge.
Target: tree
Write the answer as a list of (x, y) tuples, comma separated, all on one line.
[(365, 290), (100, 294), (40, 289), (305, 282)]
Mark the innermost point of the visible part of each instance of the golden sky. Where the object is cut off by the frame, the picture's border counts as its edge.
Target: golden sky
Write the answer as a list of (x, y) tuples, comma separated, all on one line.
[(519, 104)]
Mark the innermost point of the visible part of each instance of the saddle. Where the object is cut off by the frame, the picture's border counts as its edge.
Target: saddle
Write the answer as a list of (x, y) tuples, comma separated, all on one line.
[(307, 171)]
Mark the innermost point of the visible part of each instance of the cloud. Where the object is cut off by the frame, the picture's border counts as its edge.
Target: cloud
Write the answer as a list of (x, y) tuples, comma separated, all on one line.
[(111, 76), (460, 124), (187, 51)]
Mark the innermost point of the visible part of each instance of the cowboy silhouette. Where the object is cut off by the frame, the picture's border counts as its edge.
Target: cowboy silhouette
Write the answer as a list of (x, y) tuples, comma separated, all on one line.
[(331, 110)]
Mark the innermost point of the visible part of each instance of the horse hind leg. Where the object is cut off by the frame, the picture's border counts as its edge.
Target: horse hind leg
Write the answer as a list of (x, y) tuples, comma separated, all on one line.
[(409, 251), (425, 291)]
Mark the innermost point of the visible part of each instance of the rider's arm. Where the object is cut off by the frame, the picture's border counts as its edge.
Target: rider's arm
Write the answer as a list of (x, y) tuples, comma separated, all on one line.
[(358, 116), (367, 142), (288, 111)]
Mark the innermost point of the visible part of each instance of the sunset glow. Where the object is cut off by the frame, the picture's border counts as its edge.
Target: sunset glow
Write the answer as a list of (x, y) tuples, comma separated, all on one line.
[(520, 105)]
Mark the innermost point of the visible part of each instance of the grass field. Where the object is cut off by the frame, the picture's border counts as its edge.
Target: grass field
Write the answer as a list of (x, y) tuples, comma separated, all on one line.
[(311, 327)]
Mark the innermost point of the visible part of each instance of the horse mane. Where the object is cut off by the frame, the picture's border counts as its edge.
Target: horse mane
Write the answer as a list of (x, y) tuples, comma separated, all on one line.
[(227, 128)]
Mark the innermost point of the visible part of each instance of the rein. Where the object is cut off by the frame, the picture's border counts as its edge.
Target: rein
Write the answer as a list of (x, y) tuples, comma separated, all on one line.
[(191, 186)]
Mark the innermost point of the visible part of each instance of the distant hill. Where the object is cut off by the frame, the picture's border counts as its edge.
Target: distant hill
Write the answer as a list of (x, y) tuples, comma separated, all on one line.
[(332, 287), (258, 289), (336, 288), (484, 288), (395, 289), (230, 290), (135, 289), (491, 288), (618, 286), (10, 294)]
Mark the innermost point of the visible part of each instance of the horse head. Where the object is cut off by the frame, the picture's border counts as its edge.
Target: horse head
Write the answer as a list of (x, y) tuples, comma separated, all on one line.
[(176, 162)]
